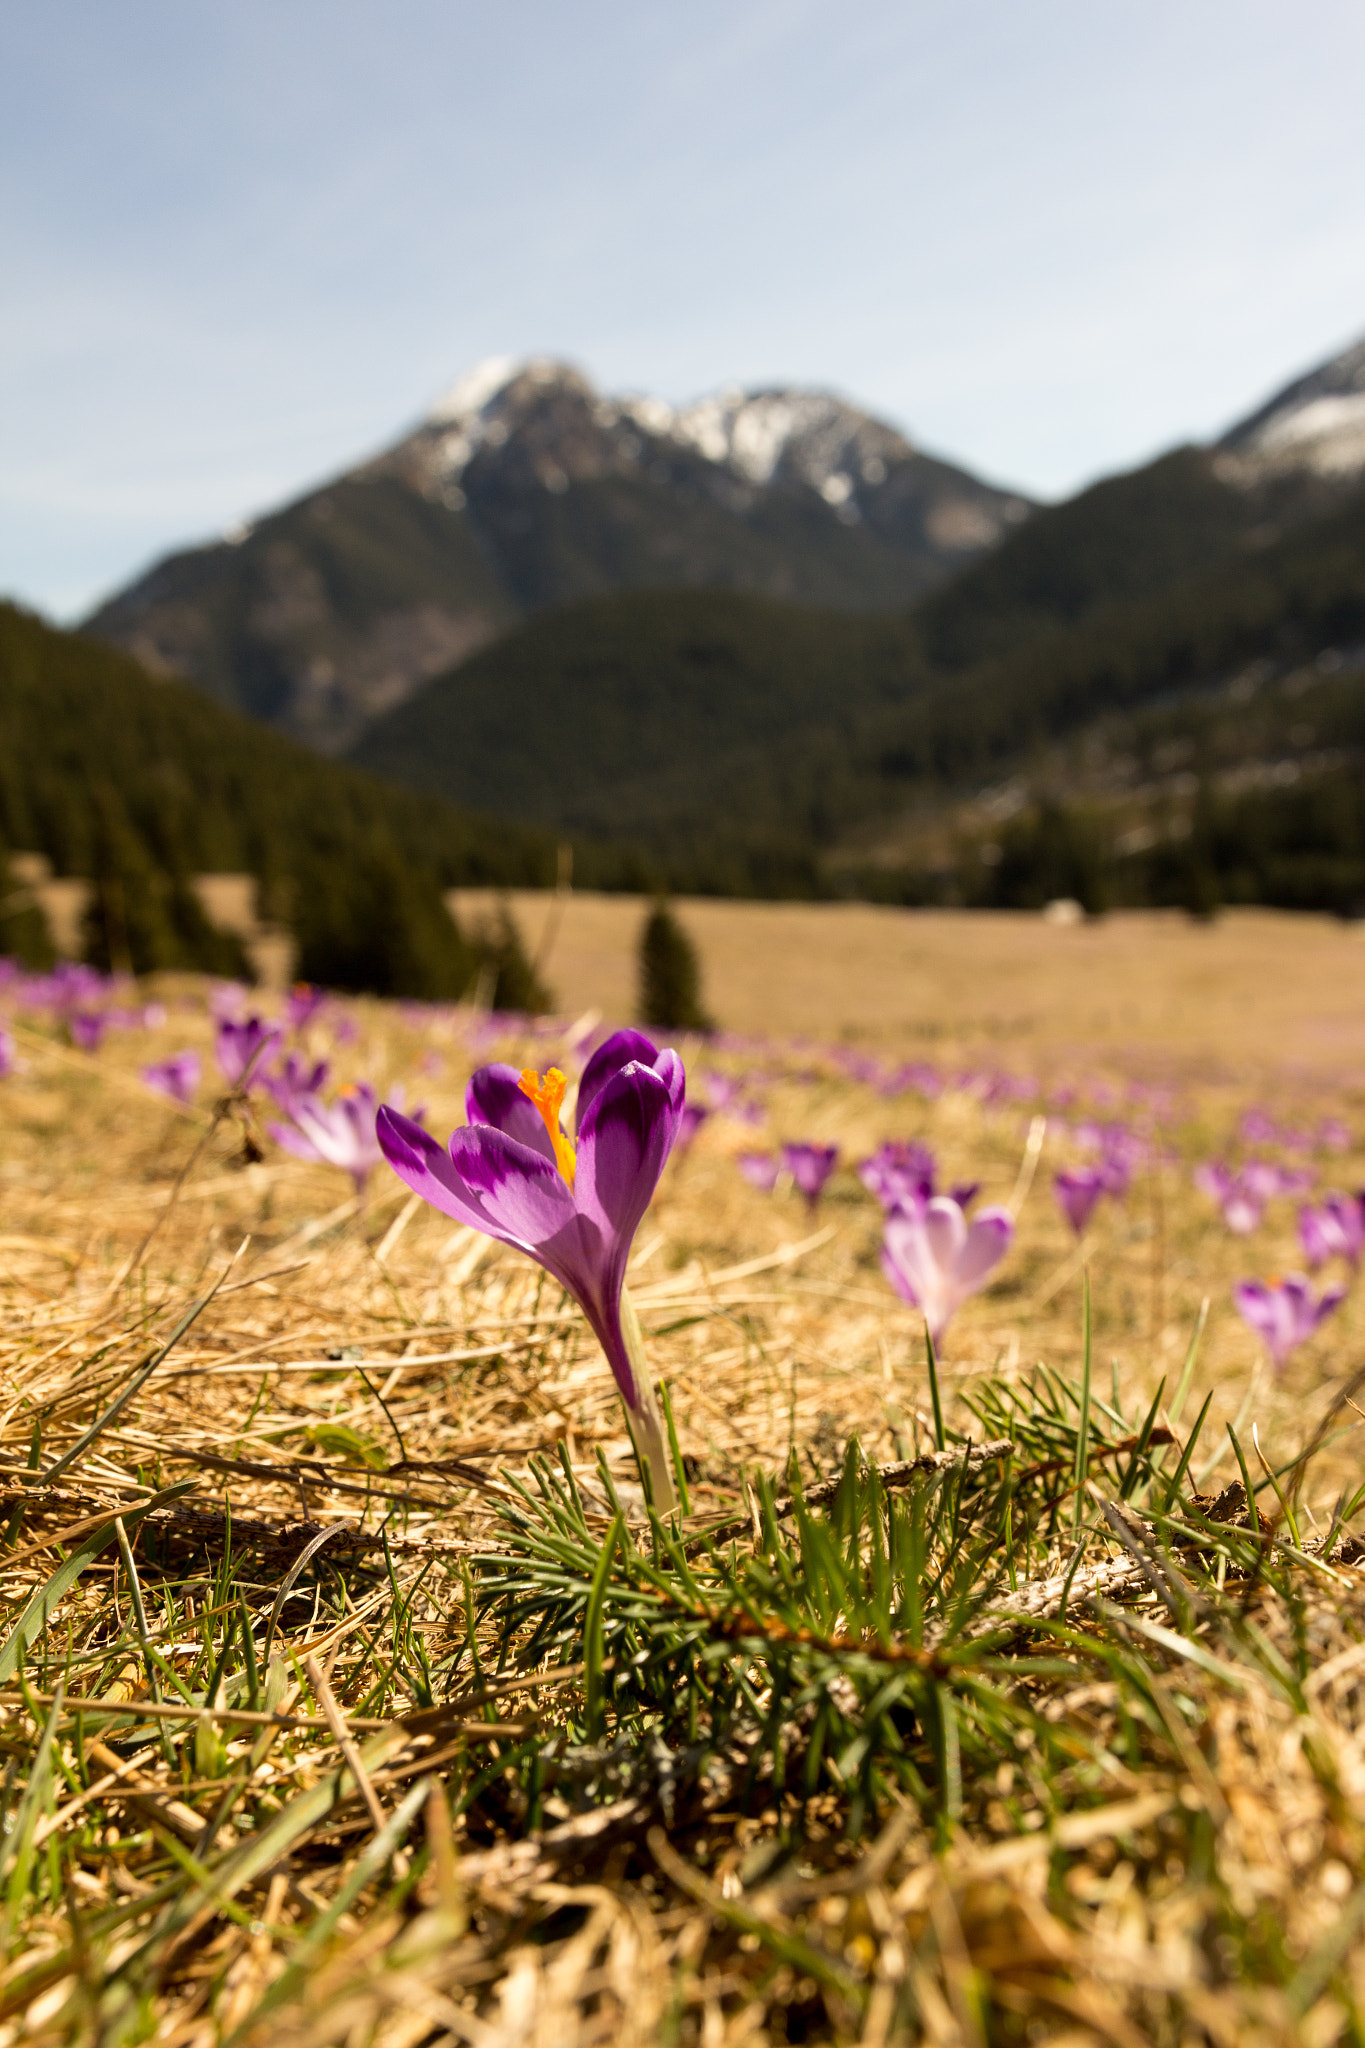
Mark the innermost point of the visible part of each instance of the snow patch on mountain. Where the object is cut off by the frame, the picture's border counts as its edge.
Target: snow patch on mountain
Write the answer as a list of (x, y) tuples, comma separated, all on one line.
[(1316, 424)]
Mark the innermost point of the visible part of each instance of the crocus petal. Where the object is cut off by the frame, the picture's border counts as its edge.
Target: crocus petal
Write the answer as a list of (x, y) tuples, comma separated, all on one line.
[(945, 1232), (484, 1179), (898, 1277), (494, 1097), (988, 1239), (614, 1053)]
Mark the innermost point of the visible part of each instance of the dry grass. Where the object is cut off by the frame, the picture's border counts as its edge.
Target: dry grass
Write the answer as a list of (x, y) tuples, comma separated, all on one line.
[(1188, 1865)]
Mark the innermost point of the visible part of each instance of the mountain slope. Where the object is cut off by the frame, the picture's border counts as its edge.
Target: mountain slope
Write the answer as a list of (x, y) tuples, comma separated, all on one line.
[(206, 789), (525, 489), (743, 741)]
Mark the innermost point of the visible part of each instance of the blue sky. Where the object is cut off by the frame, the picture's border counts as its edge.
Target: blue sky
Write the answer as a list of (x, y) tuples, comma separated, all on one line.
[(242, 245)]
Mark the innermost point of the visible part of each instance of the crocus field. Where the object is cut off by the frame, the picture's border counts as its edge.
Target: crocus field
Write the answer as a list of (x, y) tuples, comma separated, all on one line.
[(517, 1531)]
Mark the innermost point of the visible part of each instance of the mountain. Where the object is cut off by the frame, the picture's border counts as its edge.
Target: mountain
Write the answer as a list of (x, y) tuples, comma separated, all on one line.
[(1315, 425), (523, 489), (717, 731)]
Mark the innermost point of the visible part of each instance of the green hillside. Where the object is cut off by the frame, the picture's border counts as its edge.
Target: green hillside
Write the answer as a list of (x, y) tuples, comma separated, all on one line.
[(747, 744), (101, 764)]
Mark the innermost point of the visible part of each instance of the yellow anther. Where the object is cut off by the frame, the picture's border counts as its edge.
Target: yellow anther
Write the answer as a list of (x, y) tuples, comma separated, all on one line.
[(548, 1097)]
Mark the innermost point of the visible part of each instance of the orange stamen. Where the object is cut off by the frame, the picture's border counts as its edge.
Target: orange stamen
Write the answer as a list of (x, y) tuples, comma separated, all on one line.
[(548, 1097)]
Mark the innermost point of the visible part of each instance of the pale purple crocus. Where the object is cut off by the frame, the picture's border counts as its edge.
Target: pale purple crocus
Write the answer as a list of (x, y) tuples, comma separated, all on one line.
[(295, 1081), (935, 1258), (176, 1077), (336, 1133), (571, 1203), (240, 1046), (1284, 1312), (900, 1175), (9, 1058), (1078, 1189), (1335, 1231), (1240, 1201), (760, 1169), (810, 1166)]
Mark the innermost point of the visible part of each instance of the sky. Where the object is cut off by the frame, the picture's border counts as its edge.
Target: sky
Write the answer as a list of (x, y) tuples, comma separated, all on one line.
[(242, 246)]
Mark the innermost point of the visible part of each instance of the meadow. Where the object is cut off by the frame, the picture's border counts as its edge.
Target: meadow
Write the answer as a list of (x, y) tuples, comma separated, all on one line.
[(352, 1687)]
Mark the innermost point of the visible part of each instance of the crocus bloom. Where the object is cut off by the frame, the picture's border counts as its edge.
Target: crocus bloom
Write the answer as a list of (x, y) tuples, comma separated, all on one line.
[(303, 1003), (9, 1058), (1335, 1231), (177, 1077), (690, 1121), (295, 1081), (1241, 1201), (935, 1258), (572, 1203), (810, 1166), (1078, 1189), (337, 1133), (87, 1028), (900, 1176), (1284, 1312), (760, 1169), (239, 1045)]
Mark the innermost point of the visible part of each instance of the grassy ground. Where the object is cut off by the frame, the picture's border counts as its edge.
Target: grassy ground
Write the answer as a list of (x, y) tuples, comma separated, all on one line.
[(347, 1693)]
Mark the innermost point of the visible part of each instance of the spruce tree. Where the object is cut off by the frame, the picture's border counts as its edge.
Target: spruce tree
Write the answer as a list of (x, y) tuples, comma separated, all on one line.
[(670, 975), (370, 923), (506, 970)]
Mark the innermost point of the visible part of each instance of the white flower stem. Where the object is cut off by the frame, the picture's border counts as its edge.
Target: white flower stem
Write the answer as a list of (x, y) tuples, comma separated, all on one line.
[(644, 1421)]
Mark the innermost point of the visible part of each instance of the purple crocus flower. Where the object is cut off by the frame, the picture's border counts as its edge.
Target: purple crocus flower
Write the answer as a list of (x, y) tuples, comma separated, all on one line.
[(295, 1081), (239, 1046), (302, 1005), (337, 1133), (935, 1258), (1335, 1231), (760, 1169), (690, 1121), (176, 1077), (1284, 1312), (1241, 1205), (900, 1175), (810, 1166), (573, 1204), (1078, 1189), (87, 1028)]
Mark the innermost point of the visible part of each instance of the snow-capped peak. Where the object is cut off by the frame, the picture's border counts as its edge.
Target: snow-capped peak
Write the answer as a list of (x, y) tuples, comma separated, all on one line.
[(1317, 423), (474, 390)]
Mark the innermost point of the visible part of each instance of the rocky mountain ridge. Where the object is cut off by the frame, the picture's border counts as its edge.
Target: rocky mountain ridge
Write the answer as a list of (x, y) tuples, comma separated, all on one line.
[(525, 488)]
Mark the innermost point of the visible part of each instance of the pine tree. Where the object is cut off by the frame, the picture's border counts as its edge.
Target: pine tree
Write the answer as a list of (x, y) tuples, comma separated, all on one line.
[(670, 975), (140, 918)]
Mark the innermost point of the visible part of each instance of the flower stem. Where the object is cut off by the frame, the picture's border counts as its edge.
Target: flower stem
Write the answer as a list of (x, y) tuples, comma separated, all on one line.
[(644, 1421)]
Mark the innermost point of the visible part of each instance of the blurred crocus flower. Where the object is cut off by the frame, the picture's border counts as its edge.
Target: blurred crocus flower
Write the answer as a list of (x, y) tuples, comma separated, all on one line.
[(1078, 1189), (935, 1258), (87, 1029), (573, 1203), (9, 1058), (1335, 1231), (336, 1133), (176, 1077), (302, 1005), (294, 1081), (690, 1121), (810, 1166), (1242, 1207), (900, 1175), (240, 1046), (760, 1169), (1334, 1135), (1284, 1312)]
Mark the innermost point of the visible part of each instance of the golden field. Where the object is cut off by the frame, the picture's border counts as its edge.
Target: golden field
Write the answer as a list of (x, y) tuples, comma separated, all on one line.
[(368, 1364)]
